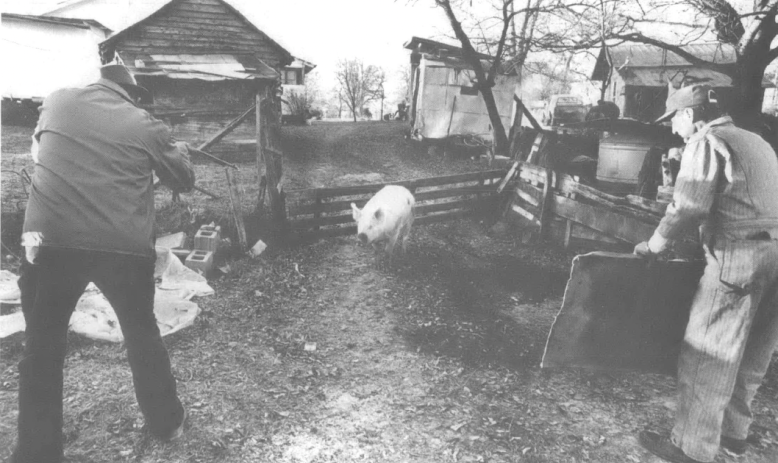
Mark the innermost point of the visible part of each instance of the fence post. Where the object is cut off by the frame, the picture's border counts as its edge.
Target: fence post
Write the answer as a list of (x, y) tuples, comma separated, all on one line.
[(568, 222), (317, 209), (545, 207), (237, 212)]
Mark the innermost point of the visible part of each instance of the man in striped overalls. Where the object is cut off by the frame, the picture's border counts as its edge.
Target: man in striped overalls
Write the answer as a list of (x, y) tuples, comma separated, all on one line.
[(728, 187)]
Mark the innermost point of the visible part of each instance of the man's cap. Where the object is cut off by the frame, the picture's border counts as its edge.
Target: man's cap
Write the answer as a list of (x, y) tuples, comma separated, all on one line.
[(121, 75), (687, 97)]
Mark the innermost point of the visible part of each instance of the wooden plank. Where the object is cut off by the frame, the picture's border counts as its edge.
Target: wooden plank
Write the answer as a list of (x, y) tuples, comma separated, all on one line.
[(235, 204), (221, 24), (203, 8), (524, 213), (450, 192), (527, 197), (539, 142), (436, 207), (173, 39), (508, 177), (529, 193), (260, 155), (435, 218), (197, 31), (418, 183), (419, 211), (530, 173), (302, 208), (568, 233), (327, 232), (301, 224), (567, 185), (227, 129), (546, 203), (604, 220), (647, 204)]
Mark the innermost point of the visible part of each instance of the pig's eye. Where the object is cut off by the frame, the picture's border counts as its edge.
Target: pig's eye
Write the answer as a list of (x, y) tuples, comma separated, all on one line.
[(378, 214)]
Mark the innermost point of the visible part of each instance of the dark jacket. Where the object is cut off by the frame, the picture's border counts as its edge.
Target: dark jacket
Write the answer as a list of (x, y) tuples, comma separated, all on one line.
[(93, 183)]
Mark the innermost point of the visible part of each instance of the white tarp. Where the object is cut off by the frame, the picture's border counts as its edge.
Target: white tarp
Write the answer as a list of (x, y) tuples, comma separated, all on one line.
[(94, 317)]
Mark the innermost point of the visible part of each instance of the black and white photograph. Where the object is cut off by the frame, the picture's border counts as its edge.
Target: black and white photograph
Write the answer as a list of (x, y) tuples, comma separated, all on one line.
[(389, 231)]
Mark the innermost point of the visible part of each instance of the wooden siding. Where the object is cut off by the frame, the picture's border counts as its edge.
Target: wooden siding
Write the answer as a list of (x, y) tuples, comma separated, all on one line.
[(198, 95), (198, 27)]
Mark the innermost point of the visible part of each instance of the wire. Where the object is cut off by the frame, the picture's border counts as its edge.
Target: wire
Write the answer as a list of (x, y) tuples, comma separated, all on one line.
[(9, 250)]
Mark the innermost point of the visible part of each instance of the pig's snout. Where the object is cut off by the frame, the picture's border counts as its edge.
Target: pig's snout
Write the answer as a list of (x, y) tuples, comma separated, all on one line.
[(362, 237)]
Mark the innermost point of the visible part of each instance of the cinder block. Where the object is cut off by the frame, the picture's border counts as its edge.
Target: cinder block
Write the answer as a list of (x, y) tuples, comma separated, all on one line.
[(176, 240), (199, 260), (207, 238)]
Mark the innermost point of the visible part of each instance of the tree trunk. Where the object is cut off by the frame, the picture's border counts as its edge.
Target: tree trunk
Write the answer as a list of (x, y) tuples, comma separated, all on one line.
[(500, 138), (746, 107)]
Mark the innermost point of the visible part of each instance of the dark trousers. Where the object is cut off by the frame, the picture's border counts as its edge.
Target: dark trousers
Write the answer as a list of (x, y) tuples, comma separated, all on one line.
[(50, 289)]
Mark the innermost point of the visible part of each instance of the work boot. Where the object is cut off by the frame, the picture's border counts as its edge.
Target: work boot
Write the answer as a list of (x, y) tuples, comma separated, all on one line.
[(663, 447), (177, 432), (736, 446)]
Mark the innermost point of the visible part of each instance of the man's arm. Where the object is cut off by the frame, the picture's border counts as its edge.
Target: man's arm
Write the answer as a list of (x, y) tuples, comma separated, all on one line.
[(695, 192), (170, 159)]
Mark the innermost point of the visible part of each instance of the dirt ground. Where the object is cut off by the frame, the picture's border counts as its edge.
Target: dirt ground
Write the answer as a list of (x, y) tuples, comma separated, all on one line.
[(315, 354)]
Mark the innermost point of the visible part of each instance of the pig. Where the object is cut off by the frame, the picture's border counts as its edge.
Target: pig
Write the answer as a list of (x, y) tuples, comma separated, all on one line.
[(386, 217)]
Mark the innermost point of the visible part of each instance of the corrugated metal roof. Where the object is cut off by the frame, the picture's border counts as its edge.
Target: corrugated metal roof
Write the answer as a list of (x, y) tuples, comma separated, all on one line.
[(631, 59), (213, 67), (654, 77), (433, 47), (641, 55)]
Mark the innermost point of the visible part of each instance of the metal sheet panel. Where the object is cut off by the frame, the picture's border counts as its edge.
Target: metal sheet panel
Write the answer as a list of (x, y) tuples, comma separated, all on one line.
[(214, 67), (622, 312)]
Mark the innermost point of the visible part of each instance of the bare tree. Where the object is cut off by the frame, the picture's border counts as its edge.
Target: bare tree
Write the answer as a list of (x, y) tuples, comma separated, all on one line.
[(358, 84), (491, 32), (748, 26)]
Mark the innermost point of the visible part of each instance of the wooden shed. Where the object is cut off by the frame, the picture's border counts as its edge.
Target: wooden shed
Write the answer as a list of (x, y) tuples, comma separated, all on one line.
[(204, 62), (444, 99), (640, 74)]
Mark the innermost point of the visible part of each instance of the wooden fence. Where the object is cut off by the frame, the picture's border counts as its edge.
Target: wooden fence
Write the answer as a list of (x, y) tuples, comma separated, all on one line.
[(560, 207), (323, 212)]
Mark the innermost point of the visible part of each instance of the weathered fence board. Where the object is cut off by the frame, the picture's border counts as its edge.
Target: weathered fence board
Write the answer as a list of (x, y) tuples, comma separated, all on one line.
[(327, 211), (543, 198)]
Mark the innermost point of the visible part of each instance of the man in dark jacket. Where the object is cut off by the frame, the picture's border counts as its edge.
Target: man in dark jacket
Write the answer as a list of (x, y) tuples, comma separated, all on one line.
[(90, 218)]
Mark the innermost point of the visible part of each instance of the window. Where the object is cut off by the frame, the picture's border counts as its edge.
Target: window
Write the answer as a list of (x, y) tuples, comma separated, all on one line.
[(465, 90), (291, 77)]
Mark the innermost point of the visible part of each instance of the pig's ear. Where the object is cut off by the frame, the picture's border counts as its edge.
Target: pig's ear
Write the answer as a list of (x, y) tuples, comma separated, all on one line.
[(378, 214), (355, 212)]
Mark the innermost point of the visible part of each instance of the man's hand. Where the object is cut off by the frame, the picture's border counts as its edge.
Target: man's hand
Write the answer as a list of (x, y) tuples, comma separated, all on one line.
[(643, 250)]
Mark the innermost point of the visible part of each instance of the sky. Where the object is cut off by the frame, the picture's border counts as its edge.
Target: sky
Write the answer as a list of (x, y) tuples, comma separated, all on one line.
[(325, 31)]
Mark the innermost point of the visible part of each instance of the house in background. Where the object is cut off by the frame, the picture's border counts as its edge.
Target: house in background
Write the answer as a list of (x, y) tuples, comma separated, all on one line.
[(444, 99), (640, 75), (204, 62), (42, 54), (115, 14), (293, 82)]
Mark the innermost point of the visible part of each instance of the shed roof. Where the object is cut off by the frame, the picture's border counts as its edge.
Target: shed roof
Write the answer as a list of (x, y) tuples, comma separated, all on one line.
[(71, 22), (634, 61), (657, 77), (422, 45), (117, 36)]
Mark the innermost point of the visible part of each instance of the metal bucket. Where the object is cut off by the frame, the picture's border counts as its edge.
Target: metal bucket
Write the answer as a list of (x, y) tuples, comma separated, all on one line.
[(620, 161)]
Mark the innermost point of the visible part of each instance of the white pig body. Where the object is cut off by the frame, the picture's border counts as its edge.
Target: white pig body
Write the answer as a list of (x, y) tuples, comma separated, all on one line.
[(386, 218)]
